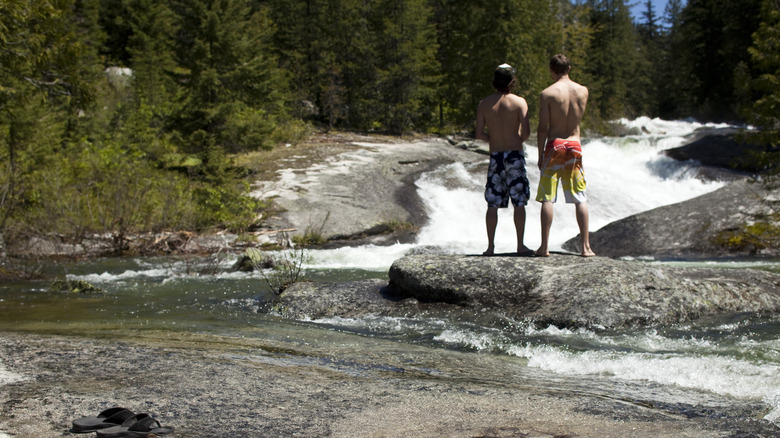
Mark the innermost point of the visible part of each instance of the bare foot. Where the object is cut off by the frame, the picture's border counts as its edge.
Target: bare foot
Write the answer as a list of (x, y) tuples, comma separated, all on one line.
[(542, 253), (489, 251), (588, 253), (524, 251)]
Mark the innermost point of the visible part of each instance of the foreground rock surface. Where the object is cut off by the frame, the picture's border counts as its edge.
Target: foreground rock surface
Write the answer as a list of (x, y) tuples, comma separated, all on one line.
[(562, 290), (262, 387)]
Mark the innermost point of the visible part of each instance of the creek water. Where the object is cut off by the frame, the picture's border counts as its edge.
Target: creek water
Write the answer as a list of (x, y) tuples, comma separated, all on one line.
[(726, 367)]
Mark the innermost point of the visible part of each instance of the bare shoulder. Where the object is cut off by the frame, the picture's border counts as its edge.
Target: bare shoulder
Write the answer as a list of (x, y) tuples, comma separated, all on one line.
[(578, 88), (488, 101), (553, 92), (484, 105), (517, 100)]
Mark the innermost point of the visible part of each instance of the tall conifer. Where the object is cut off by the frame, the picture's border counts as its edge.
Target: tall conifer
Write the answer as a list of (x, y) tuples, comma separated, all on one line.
[(232, 88), (406, 66), (614, 64), (765, 54)]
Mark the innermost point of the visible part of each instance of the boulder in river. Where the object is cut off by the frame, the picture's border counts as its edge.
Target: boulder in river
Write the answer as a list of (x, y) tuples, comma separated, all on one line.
[(563, 290), (739, 219), (722, 148)]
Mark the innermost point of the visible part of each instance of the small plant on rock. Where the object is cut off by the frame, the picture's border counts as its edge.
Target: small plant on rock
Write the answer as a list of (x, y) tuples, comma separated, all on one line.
[(286, 268)]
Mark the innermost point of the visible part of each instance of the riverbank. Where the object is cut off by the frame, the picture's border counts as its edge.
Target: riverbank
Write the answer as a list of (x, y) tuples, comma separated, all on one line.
[(339, 189), (344, 189), (211, 386)]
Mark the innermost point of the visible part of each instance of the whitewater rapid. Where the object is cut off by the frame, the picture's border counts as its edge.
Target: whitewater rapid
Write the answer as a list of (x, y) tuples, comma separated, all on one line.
[(625, 176)]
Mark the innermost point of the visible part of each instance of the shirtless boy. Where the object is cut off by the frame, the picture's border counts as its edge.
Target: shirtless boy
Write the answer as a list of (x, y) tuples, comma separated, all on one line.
[(505, 115), (561, 107)]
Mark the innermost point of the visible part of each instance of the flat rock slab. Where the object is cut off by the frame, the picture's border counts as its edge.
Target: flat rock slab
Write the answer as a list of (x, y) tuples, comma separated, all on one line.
[(355, 193), (562, 290)]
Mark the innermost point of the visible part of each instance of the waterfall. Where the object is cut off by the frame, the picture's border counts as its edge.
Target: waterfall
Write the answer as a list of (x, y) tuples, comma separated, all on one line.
[(625, 175)]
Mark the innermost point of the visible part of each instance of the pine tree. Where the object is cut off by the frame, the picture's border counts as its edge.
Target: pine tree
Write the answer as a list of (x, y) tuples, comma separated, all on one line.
[(40, 81), (406, 64), (649, 25), (765, 54), (344, 64), (150, 47), (232, 89), (615, 66), (714, 37), (464, 77), (670, 77), (476, 36)]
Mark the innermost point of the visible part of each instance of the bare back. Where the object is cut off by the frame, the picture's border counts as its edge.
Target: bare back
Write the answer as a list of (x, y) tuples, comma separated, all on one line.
[(561, 107), (505, 116)]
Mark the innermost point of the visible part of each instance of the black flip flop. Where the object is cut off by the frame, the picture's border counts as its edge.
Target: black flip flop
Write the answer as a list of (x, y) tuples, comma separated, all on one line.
[(108, 418), (141, 425)]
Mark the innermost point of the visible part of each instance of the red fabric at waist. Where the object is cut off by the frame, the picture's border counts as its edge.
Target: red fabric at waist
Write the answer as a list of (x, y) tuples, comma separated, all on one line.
[(563, 145)]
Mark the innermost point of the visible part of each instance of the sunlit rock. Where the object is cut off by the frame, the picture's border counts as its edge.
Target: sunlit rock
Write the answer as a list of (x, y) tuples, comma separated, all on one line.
[(562, 290)]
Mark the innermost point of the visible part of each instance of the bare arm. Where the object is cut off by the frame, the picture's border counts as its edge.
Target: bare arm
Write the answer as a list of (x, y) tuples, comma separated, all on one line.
[(525, 124), (544, 125), (481, 134)]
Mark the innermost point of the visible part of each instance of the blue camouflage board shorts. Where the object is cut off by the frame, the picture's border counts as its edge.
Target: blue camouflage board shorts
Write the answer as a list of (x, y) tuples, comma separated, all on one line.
[(507, 179)]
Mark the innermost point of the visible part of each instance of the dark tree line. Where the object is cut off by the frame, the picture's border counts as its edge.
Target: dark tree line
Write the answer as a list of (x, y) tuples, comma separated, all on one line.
[(199, 80)]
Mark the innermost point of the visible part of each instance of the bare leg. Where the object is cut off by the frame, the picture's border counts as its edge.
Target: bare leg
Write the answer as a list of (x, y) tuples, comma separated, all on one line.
[(491, 222), (582, 221), (547, 219), (519, 216)]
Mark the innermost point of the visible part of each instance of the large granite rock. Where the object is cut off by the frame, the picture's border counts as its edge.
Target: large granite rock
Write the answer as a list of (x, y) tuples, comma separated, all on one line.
[(362, 195), (739, 219), (563, 290), (722, 148)]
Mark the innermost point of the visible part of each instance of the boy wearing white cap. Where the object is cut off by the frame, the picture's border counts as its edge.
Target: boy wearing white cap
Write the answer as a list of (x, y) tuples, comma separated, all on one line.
[(505, 117)]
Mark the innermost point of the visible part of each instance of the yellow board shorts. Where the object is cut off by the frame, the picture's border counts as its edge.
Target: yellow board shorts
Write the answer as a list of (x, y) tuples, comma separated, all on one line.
[(562, 161)]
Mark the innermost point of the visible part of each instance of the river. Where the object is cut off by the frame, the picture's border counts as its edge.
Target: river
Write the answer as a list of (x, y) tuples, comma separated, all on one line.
[(727, 368)]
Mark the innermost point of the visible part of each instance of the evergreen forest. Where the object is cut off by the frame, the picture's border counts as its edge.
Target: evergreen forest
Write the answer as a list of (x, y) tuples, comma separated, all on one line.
[(126, 116)]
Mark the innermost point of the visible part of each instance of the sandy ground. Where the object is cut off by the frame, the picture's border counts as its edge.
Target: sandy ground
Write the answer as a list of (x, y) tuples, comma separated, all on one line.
[(244, 388)]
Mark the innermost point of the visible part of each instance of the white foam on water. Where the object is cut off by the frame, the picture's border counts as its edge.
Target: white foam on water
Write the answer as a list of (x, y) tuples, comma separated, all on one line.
[(369, 257), (384, 324), (658, 126), (689, 363), (107, 277), (721, 375), (624, 176)]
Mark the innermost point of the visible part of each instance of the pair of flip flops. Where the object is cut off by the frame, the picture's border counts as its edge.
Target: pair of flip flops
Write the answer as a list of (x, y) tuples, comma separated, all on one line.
[(120, 422)]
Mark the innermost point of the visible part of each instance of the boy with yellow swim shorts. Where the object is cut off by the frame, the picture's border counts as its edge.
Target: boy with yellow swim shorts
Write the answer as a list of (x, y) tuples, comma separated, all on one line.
[(562, 162), (561, 107)]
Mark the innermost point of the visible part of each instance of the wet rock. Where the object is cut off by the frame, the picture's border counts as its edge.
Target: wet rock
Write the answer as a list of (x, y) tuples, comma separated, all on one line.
[(309, 300), (253, 259), (721, 148), (562, 290), (74, 286), (259, 386), (725, 222), (571, 291)]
